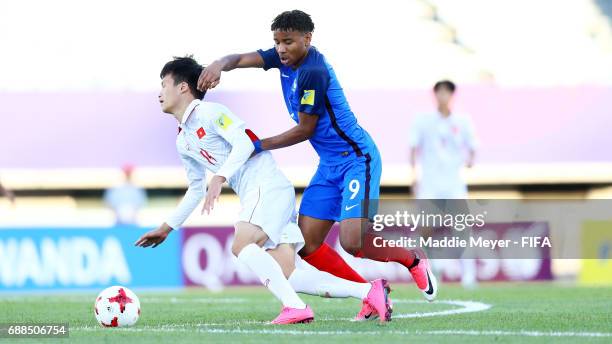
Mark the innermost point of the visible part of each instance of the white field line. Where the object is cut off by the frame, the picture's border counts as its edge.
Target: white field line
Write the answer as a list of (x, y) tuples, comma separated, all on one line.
[(522, 333), (416, 332), (466, 307)]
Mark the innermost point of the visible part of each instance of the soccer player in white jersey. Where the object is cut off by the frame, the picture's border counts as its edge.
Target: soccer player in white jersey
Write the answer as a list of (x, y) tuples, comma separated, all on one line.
[(443, 142), (267, 237)]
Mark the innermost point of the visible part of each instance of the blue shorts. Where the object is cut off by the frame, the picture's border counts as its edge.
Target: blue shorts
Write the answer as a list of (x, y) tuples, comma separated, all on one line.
[(344, 191)]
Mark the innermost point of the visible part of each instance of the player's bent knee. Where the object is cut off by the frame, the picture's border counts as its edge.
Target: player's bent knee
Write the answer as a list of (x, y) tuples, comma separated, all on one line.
[(245, 234), (240, 243)]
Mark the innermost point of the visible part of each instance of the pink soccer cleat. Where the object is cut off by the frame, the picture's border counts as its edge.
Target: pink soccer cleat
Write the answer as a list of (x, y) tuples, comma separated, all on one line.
[(369, 313), (422, 276), (290, 315), (366, 313), (376, 303)]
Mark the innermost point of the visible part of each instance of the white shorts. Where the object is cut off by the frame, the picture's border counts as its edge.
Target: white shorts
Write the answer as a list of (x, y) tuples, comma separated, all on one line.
[(270, 205)]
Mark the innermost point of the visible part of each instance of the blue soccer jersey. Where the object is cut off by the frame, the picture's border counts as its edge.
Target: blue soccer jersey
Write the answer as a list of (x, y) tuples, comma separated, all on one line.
[(350, 166), (313, 88)]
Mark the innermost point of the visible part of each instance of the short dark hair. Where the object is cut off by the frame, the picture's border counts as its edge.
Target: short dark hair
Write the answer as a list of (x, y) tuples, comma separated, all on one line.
[(185, 69), (295, 20), (447, 84)]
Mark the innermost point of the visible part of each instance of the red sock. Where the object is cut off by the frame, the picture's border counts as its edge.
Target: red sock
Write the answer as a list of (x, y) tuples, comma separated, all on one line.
[(327, 259), (387, 254)]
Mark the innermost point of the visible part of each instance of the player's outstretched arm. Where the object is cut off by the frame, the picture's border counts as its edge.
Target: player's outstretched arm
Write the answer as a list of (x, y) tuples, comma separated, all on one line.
[(211, 75), (301, 132)]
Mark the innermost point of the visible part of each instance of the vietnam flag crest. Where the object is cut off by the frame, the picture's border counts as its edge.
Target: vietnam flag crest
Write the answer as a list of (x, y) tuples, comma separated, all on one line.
[(201, 133)]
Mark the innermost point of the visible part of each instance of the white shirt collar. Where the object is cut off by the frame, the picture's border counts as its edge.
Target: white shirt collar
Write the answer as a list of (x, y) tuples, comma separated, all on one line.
[(441, 115), (190, 109)]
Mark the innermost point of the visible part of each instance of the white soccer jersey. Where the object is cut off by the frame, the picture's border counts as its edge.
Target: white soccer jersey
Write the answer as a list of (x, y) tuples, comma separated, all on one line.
[(212, 138), (443, 144)]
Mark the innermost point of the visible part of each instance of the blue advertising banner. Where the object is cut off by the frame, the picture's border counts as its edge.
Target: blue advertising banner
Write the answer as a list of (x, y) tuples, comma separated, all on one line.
[(82, 258)]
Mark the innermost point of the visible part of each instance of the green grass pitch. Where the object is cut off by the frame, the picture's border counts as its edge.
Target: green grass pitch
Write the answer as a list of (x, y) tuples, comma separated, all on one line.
[(498, 312)]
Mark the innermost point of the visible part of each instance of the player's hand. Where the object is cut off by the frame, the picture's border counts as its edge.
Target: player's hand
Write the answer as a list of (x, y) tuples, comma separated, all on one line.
[(154, 237), (210, 76), (214, 190)]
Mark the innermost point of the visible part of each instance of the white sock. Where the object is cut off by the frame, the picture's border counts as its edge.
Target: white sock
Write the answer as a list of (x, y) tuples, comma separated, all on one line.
[(308, 280), (270, 274)]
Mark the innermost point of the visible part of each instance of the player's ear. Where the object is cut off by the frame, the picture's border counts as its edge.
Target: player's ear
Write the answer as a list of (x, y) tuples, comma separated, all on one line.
[(307, 38), (184, 87)]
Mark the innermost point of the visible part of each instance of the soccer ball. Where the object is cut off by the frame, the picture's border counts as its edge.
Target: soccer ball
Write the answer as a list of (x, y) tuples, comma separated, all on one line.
[(117, 306)]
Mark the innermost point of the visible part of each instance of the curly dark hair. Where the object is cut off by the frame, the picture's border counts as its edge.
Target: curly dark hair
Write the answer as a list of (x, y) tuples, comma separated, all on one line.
[(295, 20)]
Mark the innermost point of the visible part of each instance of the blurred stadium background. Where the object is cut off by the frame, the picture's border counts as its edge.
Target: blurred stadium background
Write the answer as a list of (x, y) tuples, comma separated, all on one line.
[(79, 84)]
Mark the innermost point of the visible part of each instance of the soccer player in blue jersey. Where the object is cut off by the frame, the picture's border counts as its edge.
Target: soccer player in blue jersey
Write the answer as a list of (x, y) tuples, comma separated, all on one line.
[(349, 171)]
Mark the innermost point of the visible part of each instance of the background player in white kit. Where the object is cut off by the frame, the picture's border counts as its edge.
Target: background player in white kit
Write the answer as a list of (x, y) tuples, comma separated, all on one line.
[(267, 237), (443, 142)]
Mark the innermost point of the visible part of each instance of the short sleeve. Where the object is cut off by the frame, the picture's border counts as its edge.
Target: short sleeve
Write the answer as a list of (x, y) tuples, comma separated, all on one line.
[(312, 89), (270, 57)]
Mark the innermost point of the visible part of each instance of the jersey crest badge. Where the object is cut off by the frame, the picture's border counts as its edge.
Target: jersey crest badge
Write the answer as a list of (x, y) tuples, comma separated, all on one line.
[(224, 121), (308, 98)]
